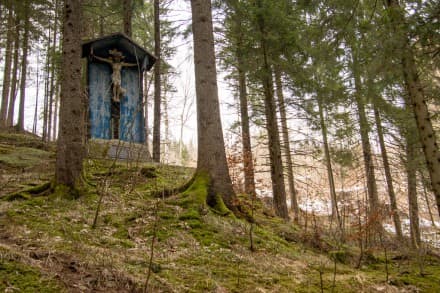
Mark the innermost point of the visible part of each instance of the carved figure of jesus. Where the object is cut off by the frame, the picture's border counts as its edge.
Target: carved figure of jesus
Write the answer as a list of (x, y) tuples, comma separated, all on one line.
[(115, 61)]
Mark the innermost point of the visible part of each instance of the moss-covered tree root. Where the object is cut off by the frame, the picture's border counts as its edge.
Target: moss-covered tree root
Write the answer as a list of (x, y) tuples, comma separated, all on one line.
[(39, 190)]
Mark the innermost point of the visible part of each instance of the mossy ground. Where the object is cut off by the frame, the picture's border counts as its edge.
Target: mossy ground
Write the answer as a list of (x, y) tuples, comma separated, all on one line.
[(48, 243)]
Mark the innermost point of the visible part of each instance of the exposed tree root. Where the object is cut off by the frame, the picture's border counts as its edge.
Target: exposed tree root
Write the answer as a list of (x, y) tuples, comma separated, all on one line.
[(39, 190)]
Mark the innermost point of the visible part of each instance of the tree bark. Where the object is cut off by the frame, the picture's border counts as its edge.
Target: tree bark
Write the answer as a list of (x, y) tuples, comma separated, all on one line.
[(52, 73), (70, 150), (286, 144), (248, 164), (34, 126), (211, 151), (417, 98), (276, 163), (388, 176), (328, 162), (147, 126), (157, 84), (46, 90), (127, 8), (411, 168), (24, 63), (13, 92), (373, 198), (425, 195), (55, 111), (7, 70)]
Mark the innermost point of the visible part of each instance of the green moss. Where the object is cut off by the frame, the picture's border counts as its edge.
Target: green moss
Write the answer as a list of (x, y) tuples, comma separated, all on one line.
[(17, 277), (64, 191), (121, 233), (21, 139), (23, 157), (190, 214), (197, 193), (27, 193), (220, 207), (339, 255)]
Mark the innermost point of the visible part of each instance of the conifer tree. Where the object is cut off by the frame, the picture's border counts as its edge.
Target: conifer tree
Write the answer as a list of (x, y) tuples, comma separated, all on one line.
[(70, 150), (211, 159)]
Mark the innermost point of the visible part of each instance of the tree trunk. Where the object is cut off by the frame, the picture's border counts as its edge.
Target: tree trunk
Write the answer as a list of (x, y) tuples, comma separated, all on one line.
[(24, 63), (328, 162), (70, 150), (127, 8), (373, 198), (52, 73), (286, 144), (388, 176), (276, 163), (157, 84), (425, 195), (55, 111), (248, 164), (46, 90), (7, 70), (34, 126), (147, 125), (166, 122), (411, 167), (13, 92), (417, 98), (211, 148)]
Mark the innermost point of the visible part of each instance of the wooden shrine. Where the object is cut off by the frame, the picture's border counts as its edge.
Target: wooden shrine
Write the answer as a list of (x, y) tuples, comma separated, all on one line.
[(115, 68)]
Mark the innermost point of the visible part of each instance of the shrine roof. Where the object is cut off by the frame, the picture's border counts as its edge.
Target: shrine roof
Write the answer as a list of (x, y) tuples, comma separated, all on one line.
[(132, 52)]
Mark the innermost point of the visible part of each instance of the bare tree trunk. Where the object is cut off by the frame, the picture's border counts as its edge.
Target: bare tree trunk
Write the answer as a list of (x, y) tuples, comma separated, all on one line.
[(373, 198), (7, 70), (157, 84), (24, 63), (146, 91), (34, 127), (166, 120), (52, 73), (417, 97), (127, 8), (46, 90), (276, 163), (328, 162), (70, 150), (425, 194), (211, 148), (184, 116), (413, 206), (14, 82), (55, 111), (388, 176), (248, 164), (286, 144)]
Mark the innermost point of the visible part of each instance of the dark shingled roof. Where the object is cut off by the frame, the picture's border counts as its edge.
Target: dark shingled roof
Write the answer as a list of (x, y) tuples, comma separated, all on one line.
[(132, 52)]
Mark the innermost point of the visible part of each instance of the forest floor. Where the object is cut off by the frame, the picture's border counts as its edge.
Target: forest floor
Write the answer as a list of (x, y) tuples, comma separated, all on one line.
[(143, 242)]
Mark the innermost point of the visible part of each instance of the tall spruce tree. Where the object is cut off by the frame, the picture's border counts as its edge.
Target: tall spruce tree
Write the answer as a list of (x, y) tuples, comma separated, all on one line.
[(211, 160), (157, 83), (416, 94), (70, 148)]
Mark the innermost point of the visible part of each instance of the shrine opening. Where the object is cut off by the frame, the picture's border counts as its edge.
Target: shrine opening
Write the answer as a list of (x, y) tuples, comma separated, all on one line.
[(115, 68)]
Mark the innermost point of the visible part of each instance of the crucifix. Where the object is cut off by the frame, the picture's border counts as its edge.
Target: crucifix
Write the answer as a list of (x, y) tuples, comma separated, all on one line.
[(116, 62)]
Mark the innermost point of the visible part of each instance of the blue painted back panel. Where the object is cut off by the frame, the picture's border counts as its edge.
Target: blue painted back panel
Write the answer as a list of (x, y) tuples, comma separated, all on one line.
[(132, 122), (99, 76)]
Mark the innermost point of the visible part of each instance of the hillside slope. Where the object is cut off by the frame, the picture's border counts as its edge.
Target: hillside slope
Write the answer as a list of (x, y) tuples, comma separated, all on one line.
[(145, 242)]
